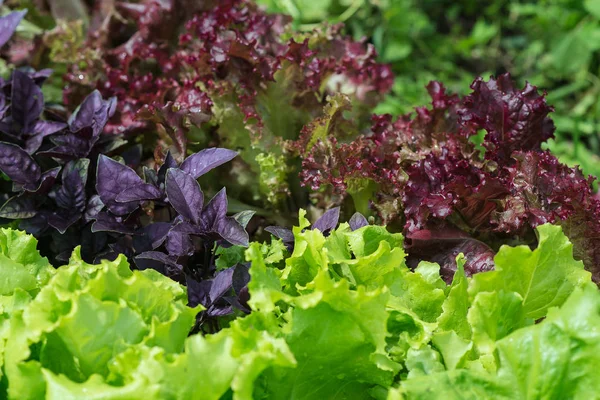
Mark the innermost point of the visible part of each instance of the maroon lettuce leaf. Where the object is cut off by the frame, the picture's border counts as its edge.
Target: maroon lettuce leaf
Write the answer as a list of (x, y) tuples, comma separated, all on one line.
[(423, 173), (443, 245), (514, 119)]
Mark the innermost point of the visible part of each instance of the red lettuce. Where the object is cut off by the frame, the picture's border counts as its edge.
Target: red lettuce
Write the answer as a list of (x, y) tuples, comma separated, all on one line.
[(424, 172), (228, 74)]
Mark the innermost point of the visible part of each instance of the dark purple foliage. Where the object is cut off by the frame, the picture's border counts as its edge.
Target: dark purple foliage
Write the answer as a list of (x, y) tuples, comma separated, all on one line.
[(22, 121), (221, 295)]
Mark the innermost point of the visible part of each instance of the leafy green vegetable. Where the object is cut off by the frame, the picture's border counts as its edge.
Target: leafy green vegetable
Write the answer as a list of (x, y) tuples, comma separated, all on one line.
[(342, 316)]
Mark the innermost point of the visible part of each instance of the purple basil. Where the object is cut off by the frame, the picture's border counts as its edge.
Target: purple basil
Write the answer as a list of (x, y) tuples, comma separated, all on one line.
[(184, 194), (18, 165), (202, 162), (328, 221), (357, 221), (112, 179), (8, 25)]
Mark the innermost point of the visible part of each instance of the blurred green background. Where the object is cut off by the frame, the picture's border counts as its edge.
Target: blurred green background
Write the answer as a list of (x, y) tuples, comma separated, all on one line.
[(554, 44)]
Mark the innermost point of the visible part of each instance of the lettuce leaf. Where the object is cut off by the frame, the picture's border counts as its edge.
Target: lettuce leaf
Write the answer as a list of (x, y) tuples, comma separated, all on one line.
[(342, 316)]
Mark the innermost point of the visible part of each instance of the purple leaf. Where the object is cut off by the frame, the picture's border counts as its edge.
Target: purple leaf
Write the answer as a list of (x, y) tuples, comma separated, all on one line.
[(221, 284), (35, 225), (71, 195), (169, 163), (61, 222), (328, 221), (3, 105), (8, 25), (39, 77), (139, 192), (231, 230), (69, 146), (94, 206), (200, 163), (106, 222), (215, 220), (184, 194), (18, 165), (112, 179), (197, 291), (93, 113), (18, 207), (240, 301), (219, 311), (215, 210), (357, 221), (158, 261), (244, 217), (42, 129), (157, 232), (282, 233), (27, 101), (188, 228), (179, 244), (241, 277), (43, 186)]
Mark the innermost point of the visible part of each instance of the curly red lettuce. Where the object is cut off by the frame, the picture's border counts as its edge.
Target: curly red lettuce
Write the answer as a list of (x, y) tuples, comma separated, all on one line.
[(425, 172), (225, 73)]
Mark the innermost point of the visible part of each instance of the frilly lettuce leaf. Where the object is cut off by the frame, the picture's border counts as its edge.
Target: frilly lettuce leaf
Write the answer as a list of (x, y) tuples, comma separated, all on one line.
[(84, 317), (556, 358), (342, 316)]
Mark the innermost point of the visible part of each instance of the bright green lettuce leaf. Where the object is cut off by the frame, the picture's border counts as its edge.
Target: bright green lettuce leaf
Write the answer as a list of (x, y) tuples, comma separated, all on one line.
[(83, 318), (557, 358), (543, 277), (493, 315), (337, 336), (341, 317), (21, 265), (456, 306), (421, 291)]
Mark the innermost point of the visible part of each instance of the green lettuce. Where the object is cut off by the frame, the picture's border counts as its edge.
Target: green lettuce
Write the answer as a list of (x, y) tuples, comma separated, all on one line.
[(339, 317)]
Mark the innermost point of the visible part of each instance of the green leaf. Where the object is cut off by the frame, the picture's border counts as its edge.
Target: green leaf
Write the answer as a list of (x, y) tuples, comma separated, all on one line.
[(593, 7), (456, 306), (558, 358), (543, 277), (494, 315)]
